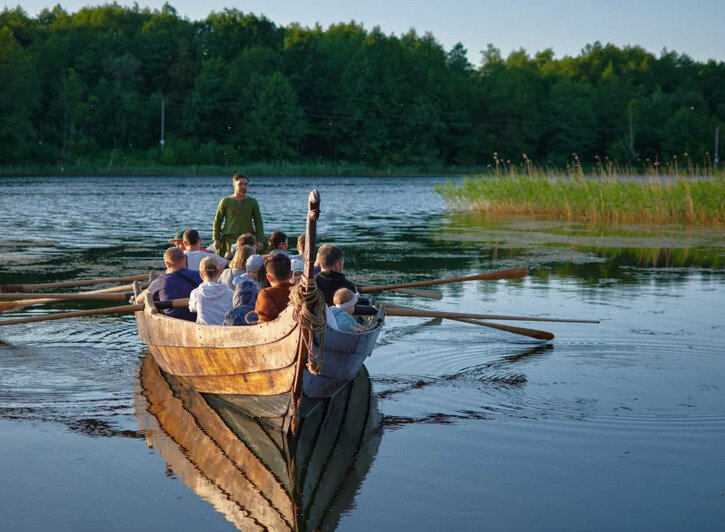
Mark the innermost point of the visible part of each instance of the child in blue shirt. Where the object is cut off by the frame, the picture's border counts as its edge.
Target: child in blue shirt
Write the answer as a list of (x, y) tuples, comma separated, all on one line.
[(344, 301)]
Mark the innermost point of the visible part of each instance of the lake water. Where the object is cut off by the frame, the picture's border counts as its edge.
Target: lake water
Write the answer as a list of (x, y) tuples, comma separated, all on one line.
[(619, 425)]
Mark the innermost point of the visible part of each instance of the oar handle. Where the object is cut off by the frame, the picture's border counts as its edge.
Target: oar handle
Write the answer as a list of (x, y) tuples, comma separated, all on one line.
[(513, 273)]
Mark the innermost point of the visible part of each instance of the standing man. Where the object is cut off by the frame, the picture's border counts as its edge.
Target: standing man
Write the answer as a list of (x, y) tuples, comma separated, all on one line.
[(237, 214)]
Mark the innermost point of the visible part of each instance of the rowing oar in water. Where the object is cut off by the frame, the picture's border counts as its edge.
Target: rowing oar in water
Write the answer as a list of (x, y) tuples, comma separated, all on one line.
[(399, 310), (71, 284), (531, 333), (123, 309), (26, 300), (513, 273)]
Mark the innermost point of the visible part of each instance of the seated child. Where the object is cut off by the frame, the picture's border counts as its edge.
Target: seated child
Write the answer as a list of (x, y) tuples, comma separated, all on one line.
[(245, 298), (246, 290), (298, 268), (300, 249), (195, 252), (345, 300), (237, 266), (278, 241), (253, 267), (211, 300), (332, 277), (273, 300), (247, 239)]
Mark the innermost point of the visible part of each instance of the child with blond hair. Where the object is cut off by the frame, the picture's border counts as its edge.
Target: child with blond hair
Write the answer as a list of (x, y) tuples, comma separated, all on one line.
[(345, 301)]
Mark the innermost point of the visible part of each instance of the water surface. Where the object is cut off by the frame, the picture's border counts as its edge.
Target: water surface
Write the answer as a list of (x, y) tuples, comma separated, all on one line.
[(617, 425)]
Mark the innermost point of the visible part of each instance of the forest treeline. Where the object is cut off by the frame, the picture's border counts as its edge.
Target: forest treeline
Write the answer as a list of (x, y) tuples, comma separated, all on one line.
[(236, 87)]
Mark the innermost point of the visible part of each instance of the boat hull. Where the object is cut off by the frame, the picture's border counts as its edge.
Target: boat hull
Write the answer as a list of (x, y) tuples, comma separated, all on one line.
[(254, 366)]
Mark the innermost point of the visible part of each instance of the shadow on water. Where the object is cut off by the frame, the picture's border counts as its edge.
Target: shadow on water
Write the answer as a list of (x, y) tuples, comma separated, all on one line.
[(247, 468)]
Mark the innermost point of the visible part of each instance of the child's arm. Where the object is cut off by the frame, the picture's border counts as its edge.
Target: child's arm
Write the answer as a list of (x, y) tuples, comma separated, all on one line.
[(193, 301)]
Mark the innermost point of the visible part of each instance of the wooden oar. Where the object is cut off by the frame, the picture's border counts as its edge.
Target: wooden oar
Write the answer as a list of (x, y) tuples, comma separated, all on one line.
[(513, 273), (430, 294), (532, 333), (61, 296), (71, 284), (123, 309), (11, 305), (400, 310)]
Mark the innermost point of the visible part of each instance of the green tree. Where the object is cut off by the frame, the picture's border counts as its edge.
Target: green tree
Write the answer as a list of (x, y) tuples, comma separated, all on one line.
[(18, 97), (686, 132), (275, 125)]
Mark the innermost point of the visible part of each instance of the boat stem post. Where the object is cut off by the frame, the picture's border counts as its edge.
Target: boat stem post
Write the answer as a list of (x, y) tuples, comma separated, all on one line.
[(306, 338)]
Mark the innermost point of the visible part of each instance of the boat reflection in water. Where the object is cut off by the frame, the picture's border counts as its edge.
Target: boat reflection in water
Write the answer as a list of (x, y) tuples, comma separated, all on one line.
[(258, 476)]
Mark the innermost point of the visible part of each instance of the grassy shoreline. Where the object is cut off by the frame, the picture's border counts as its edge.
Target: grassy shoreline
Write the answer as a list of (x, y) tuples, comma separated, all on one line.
[(699, 201)]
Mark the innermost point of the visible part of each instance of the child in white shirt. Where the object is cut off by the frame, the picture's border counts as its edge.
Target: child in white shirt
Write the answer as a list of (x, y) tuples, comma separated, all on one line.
[(211, 300)]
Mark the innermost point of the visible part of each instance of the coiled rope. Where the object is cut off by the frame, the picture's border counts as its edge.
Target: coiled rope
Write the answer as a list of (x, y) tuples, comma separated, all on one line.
[(308, 305)]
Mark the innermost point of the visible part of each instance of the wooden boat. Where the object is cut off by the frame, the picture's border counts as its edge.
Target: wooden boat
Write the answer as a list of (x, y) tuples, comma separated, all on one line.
[(259, 476), (263, 366), (259, 361)]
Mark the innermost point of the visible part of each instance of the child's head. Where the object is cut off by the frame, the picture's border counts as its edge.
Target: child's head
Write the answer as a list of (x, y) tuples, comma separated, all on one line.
[(192, 240), (345, 299), (247, 239), (279, 268), (209, 269), (331, 257), (301, 245), (253, 265), (175, 259), (278, 240), (241, 256)]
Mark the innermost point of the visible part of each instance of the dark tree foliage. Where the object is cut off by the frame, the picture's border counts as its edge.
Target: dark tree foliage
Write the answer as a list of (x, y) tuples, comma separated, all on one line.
[(236, 87)]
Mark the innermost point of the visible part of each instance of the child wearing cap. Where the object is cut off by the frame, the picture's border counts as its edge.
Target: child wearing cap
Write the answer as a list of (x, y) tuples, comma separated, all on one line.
[(253, 268), (345, 300), (211, 300)]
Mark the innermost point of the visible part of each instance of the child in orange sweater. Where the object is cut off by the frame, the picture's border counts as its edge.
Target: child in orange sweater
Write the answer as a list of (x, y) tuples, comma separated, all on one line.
[(273, 300)]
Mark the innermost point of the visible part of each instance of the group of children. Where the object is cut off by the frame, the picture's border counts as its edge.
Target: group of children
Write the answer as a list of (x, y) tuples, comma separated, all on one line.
[(247, 288)]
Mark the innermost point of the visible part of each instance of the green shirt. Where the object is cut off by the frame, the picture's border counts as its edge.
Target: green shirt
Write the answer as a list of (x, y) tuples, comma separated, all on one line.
[(234, 217)]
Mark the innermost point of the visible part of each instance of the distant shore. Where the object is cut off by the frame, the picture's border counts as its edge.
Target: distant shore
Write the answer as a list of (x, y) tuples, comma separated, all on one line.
[(253, 169)]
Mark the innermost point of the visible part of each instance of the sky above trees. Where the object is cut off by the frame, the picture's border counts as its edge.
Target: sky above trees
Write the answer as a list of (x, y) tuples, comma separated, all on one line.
[(694, 27)]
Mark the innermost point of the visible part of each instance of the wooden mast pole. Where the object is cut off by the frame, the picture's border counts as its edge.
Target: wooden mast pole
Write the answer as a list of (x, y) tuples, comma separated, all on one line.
[(306, 340)]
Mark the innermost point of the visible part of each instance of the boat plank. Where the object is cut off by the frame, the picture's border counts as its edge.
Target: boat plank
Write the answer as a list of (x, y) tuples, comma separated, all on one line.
[(260, 383)]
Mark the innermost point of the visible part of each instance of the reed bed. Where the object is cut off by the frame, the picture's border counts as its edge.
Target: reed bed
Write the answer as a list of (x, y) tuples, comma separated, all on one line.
[(608, 194)]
